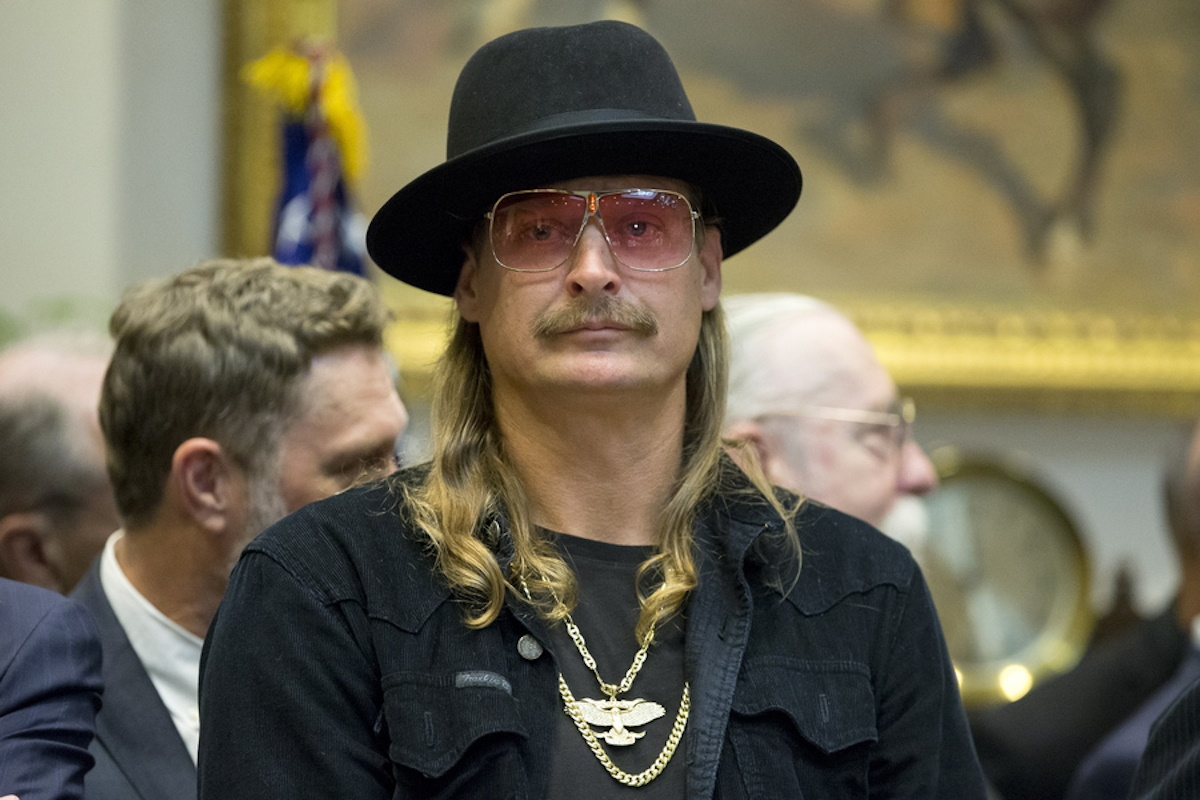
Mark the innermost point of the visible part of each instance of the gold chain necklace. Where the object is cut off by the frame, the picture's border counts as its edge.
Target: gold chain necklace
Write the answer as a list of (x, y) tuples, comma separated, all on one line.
[(638, 659), (619, 715)]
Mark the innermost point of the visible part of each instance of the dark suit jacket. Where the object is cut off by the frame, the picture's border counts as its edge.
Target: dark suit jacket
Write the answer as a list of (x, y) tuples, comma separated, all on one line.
[(139, 753), (1030, 749), (1170, 767), (49, 693), (1107, 773)]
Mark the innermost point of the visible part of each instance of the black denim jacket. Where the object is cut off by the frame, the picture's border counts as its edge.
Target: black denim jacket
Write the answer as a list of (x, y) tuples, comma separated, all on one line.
[(338, 667)]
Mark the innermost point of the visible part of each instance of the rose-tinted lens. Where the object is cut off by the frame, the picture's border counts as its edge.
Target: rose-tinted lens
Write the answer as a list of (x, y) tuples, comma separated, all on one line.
[(648, 229), (536, 231)]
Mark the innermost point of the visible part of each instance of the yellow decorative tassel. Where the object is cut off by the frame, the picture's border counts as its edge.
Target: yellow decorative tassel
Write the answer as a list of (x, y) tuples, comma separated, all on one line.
[(295, 78)]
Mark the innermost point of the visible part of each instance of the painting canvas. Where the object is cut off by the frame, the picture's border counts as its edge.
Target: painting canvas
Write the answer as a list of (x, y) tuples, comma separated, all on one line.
[(1005, 193)]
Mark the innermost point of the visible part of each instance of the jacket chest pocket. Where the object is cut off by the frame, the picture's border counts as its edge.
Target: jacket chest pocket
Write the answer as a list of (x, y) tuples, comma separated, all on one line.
[(802, 729), (457, 735)]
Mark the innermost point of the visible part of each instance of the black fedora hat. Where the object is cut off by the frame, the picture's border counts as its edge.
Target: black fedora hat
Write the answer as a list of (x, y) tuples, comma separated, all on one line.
[(543, 105)]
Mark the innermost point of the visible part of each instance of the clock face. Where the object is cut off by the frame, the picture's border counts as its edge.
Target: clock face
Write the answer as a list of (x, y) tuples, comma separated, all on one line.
[(1008, 574)]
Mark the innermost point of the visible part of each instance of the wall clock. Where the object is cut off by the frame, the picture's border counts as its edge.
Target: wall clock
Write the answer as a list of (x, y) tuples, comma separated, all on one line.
[(1009, 575)]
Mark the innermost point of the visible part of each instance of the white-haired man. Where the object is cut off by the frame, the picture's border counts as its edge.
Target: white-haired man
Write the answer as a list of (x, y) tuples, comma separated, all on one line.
[(808, 394)]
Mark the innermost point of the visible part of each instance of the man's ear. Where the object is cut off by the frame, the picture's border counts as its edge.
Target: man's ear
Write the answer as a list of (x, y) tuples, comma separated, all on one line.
[(465, 294), (751, 439), (23, 552), (710, 263), (768, 451), (204, 480)]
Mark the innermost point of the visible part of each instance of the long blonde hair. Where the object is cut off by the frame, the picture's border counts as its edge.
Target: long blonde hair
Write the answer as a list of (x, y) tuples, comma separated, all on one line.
[(470, 480)]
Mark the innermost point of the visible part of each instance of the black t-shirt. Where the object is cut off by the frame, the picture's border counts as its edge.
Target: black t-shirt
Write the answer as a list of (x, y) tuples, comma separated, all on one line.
[(607, 616)]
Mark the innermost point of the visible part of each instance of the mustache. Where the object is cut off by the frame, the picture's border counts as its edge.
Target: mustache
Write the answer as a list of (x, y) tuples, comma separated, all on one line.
[(605, 309)]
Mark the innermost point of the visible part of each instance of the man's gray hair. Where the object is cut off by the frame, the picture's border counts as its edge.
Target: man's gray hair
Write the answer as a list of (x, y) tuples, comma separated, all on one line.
[(753, 322)]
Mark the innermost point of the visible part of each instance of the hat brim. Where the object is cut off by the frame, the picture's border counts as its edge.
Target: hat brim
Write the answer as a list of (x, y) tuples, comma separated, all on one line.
[(750, 181)]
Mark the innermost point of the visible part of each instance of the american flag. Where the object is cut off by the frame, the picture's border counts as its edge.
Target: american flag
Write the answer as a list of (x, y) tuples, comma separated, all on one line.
[(322, 146)]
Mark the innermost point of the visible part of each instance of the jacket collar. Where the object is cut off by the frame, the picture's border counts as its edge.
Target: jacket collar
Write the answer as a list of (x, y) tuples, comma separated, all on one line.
[(737, 523)]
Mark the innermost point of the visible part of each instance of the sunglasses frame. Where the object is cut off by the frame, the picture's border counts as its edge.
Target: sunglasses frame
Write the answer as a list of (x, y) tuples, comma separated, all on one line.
[(592, 200)]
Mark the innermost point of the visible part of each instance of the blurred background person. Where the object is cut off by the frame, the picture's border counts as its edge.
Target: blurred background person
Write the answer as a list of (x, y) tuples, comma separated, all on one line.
[(1033, 747), (238, 392), (1107, 772), (807, 393), (56, 504), (49, 693), (1170, 766)]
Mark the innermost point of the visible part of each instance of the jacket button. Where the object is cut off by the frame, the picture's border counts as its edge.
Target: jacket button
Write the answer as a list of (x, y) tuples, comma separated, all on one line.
[(529, 648)]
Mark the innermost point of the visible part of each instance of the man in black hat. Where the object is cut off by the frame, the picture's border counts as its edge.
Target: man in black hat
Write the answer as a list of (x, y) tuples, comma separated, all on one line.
[(581, 594)]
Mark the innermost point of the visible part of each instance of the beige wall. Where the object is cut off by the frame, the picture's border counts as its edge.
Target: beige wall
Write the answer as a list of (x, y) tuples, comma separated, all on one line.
[(109, 139)]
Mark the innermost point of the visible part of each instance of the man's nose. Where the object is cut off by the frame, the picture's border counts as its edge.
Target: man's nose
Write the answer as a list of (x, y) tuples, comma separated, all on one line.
[(917, 473), (592, 267)]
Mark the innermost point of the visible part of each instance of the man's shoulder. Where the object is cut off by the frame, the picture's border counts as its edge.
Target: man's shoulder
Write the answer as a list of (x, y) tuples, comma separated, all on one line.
[(50, 686), (368, 512), (90, 595), (843, 555), (333, 543), (834, 545), (23, 607), (136, 747), (35, 618), (828, 533), (125, 677)]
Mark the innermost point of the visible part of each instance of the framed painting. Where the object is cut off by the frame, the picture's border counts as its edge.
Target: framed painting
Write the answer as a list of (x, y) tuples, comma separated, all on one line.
[(1004, 194)]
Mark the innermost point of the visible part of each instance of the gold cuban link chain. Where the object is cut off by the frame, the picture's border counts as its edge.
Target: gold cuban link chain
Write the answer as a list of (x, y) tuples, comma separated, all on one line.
[(589, 736)]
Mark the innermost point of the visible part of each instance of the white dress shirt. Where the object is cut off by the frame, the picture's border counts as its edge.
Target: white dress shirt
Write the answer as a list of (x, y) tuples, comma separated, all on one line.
[(169, 652)]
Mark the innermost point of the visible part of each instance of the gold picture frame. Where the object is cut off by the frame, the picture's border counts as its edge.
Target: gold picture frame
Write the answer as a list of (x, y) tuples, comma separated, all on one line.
[(958, 310)]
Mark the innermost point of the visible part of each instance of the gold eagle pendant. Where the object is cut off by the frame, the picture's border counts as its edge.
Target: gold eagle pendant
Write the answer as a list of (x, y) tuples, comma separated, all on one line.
[(619, 716)]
